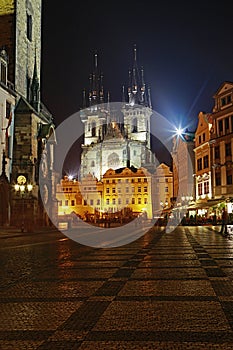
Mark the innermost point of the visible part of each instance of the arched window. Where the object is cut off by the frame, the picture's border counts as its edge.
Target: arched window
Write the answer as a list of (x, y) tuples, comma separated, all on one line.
[(93, 129), (135, 125)]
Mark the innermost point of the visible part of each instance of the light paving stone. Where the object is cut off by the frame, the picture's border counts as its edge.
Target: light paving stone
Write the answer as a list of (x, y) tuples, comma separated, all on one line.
[(164, 316), (169, 273), (35, 315), (167, 288), (147, 345), (53, 289)]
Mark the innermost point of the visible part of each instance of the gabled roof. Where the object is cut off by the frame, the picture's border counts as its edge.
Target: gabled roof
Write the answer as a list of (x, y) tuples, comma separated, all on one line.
[(224, 87)]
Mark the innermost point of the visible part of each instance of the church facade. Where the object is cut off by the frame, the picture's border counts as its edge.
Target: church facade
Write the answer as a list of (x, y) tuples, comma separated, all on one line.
[(116, 135)]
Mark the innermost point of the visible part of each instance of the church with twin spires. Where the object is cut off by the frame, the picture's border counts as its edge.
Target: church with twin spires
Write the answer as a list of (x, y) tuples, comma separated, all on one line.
[(116, 135)]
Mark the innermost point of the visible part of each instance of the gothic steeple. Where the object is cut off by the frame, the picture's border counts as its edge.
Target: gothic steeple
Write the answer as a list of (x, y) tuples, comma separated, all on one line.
[(96, 89), (137, 86)]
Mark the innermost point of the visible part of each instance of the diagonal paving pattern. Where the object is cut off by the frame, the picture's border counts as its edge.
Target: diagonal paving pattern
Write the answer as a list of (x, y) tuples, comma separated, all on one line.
[(163, 291)]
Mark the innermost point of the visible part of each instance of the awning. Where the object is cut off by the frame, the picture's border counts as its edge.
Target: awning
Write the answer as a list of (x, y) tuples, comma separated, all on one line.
[(205, 205)]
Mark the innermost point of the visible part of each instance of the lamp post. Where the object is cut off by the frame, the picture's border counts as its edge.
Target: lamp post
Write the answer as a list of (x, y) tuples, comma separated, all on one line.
[(22, 187)]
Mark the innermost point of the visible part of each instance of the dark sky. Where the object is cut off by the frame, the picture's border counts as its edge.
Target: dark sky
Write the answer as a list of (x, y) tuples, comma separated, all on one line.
[(185, 48), (186, 51)]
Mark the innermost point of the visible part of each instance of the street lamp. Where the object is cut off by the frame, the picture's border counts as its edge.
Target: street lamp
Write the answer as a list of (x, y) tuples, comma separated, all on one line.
[(22, 187)]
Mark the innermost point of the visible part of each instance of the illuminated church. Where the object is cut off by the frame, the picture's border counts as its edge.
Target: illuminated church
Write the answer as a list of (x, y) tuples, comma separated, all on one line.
[(116, 135)]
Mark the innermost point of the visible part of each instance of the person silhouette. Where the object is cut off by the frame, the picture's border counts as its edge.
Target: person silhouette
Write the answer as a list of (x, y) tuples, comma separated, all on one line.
[(224, 222)]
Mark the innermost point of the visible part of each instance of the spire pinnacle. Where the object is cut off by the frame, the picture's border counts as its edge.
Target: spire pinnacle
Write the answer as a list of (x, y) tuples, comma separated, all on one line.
[(135, 53)]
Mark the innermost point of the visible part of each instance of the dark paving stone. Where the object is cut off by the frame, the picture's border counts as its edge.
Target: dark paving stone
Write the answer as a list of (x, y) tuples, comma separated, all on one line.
[(25, 335), (214, 272), (60, 345), (86, 316), (228, 310), (166, 298), (110, 288), (213, 337), (208, 262), (123, 273), (223, 288)]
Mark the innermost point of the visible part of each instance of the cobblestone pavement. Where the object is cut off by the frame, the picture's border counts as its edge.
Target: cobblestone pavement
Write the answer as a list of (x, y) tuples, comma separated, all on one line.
[(163, 291)]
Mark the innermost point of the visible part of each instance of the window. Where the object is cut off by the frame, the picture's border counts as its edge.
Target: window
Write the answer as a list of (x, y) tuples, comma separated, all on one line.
[(107, 201), (139, 189), (93, 129), (139, 201), (93, 163), (107, 190), (200, 139), (216, 152), (66, 203), (145, 179), (134, 153), (206, 161), (72, 203), (228, 99), (139, 180), (127, 189), (227, 124), (98, 202), (199, 164), (166, 189), (132, 180), (203, 137), (133, 189), (166, 180), (127, 201), (200, 189), (3, 73), (113, 190), (223, 101), (119, 190), (135, 125), (119, 200), (119, 180), (145, 189), (29, 27), (91, 202), (60, 203), (228, 149), (114, 201), (206, 187), (218, 178), (8, 110), (220, 126), (229, 177), (133, 200), (145, 200), (113, 181)]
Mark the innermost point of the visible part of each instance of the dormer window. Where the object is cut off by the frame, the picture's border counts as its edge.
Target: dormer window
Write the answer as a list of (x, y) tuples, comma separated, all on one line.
[(226, 100)]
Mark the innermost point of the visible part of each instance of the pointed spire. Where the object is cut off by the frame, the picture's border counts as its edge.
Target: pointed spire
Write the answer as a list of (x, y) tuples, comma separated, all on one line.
[(84, 99), (135, 53), (96, 60), (149, 98), (123, 93)]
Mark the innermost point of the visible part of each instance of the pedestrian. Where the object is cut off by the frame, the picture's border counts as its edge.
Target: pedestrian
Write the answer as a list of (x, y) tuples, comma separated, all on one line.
[(224, 222)]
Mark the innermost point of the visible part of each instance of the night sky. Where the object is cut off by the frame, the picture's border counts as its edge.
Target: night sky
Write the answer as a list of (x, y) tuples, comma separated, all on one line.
[(185, 49)]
